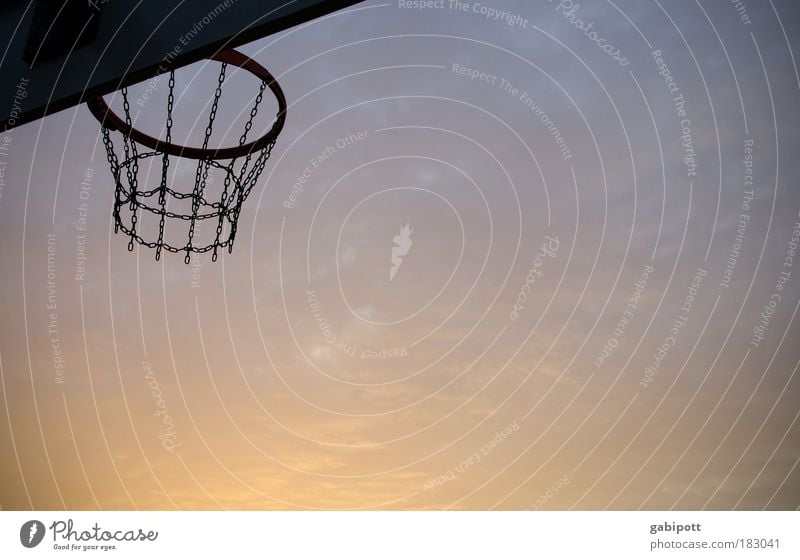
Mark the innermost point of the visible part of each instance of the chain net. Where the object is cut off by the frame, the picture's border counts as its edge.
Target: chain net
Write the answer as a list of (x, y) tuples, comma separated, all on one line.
[(162, 203)]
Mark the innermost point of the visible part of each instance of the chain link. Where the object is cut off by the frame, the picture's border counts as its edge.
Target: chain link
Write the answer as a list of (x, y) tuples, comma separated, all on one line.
[(237, 184), (163, 189)]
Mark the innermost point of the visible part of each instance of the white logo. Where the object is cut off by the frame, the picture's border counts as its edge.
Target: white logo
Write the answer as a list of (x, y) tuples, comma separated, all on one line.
[(402, 242), (31, 533)]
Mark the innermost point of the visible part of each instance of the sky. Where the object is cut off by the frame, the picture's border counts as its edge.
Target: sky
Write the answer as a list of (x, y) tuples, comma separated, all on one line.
[(498, 259)]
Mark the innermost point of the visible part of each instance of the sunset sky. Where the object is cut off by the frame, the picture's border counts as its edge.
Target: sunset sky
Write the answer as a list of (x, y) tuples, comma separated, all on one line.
[(588, 308)]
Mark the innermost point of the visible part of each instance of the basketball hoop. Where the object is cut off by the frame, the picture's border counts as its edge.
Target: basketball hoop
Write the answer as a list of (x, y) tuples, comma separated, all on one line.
[(244, 164)]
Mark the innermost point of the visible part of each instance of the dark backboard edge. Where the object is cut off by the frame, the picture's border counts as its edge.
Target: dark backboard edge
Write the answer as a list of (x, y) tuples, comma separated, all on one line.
[(247, 35)]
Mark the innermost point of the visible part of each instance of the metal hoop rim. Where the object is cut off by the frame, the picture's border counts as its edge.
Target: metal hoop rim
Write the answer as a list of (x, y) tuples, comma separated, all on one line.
[(103, 113)]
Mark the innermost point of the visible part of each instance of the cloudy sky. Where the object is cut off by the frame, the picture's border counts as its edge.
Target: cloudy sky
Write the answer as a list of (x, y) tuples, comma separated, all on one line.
[(497, 260)]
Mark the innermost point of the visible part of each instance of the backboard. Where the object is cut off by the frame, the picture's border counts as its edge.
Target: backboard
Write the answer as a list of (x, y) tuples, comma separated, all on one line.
[(60, 53)]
